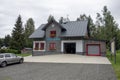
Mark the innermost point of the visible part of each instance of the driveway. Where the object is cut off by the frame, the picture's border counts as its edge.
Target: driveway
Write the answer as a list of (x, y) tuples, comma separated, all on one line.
[(57, 71), (68, 58)]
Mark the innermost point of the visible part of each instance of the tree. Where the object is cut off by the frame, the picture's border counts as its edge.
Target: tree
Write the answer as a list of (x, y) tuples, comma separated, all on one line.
[(82, 17), (1, 42), (92, 27), (7, 40), (110, 26), (17, 41), (107, 28), (29, 29), (61, 20), (50, 17)]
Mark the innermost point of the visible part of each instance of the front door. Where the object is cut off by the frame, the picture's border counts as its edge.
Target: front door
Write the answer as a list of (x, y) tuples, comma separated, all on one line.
[(70, 48)]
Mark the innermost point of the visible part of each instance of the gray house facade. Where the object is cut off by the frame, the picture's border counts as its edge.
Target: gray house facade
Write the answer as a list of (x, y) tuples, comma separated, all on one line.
[(72, 37)]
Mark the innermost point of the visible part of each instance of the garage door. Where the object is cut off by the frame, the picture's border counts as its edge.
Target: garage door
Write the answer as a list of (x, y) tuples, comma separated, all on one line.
[(93, 49)]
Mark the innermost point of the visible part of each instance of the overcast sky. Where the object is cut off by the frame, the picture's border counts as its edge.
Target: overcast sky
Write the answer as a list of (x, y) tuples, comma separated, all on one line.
[(39, 10)]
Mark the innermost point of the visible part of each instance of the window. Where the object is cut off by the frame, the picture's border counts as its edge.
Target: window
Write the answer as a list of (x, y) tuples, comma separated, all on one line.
[(52, 46), (1, 56), (41, 46), (52, 33), (36, 46), (13, 55), (7, 55)]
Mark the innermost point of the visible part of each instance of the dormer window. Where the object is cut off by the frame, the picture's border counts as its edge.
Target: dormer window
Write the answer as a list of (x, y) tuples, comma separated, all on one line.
[(52, 34)]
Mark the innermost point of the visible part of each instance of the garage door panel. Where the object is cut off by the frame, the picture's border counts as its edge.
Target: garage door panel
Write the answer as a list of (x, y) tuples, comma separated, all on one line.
[(93, 49)]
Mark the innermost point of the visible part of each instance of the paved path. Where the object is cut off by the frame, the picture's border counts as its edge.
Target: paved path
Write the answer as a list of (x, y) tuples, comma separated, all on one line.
[(68, 58), (57, 71)]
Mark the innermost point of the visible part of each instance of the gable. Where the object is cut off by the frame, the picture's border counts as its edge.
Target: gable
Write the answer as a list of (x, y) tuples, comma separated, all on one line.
[(52, 21)]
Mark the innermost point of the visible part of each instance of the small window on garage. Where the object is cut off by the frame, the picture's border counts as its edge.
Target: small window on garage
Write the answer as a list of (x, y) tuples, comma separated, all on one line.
[(52, 46)]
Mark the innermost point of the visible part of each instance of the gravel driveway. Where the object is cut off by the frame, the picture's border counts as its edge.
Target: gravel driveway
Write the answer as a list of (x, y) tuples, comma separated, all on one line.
[(57, 71)]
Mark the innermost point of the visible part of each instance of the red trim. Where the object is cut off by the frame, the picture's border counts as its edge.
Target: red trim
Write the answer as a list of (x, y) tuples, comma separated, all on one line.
[(97, 54), (53, 33), (52, 46), (41, 46), (36, 46)]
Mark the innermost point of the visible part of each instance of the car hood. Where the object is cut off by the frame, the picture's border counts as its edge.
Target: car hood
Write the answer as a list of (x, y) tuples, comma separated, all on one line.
[(19, 56)]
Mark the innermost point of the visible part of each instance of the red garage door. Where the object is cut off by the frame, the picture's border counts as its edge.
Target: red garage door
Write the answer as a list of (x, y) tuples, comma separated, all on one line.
[(93, 49)]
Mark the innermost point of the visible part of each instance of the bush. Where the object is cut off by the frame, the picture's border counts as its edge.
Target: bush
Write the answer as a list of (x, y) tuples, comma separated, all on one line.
[(8, 51)]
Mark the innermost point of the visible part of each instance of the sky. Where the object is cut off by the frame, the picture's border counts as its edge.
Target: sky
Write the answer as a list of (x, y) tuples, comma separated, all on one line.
[(40, 10)]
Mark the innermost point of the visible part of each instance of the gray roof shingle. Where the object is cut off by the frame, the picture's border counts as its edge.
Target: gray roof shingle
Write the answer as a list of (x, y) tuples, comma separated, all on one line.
[(38, 33), (73, 29)]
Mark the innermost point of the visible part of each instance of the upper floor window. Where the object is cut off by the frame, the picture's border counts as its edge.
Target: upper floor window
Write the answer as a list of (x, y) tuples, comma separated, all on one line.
[(52, 33)]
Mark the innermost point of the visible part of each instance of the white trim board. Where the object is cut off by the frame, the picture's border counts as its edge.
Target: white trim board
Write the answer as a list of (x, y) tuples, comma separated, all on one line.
[(39, 45), (79, 44)]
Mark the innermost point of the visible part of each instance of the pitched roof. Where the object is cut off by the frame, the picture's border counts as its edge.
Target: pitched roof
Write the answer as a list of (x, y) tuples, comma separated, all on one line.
[(73, 29), (38, 33)]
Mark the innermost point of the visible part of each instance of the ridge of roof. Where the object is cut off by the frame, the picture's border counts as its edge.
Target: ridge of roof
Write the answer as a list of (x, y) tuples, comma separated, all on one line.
[(73, 28)]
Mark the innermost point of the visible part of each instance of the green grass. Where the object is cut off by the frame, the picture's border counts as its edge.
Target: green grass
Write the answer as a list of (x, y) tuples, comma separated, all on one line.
[(117, 65), (24, 54)]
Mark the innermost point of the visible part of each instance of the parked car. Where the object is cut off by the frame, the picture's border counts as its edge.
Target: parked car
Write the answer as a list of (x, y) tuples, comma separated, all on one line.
[(10, 58)]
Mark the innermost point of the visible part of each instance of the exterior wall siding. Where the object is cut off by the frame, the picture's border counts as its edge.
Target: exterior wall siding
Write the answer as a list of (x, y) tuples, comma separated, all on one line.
[(102, 46), (47, 37)]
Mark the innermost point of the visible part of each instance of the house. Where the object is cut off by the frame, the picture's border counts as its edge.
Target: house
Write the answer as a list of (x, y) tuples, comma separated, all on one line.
[(72, 37), (4, 47)]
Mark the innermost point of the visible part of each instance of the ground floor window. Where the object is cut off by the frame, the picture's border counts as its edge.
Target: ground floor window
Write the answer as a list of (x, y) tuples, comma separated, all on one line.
[(52, 46), (38, 45)]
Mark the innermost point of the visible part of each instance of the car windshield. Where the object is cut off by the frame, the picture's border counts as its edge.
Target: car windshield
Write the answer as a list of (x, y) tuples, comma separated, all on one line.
[(1, 56)]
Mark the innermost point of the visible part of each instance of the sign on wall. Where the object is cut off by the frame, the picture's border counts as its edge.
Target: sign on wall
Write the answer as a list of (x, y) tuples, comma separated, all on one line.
[(113, 49), (112, 46), (52, 39)]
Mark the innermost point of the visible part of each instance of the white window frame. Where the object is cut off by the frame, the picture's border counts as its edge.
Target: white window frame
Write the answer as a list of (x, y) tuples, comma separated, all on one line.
[(39, 45)]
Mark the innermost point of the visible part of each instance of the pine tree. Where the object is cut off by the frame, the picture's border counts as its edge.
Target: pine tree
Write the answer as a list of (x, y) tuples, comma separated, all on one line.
[(50, 17), (7, 40), (61, 20), (82, 17), (17, 41), (29, 29)]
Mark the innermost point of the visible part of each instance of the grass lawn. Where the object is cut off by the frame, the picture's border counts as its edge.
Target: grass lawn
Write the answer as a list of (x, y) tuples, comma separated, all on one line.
[(117, 65), (24, 55)]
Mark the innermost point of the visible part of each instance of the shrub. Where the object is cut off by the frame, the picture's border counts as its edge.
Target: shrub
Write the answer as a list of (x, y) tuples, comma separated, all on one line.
[(8, 51)]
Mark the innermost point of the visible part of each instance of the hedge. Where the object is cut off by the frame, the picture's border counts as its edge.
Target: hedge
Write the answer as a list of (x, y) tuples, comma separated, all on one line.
[(8, 51)]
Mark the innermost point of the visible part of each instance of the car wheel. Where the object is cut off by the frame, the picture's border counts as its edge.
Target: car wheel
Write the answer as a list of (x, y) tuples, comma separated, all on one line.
[(3, 64), (21, 61)]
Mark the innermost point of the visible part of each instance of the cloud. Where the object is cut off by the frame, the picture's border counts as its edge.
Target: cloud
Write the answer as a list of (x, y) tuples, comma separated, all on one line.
[(39, 10)]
